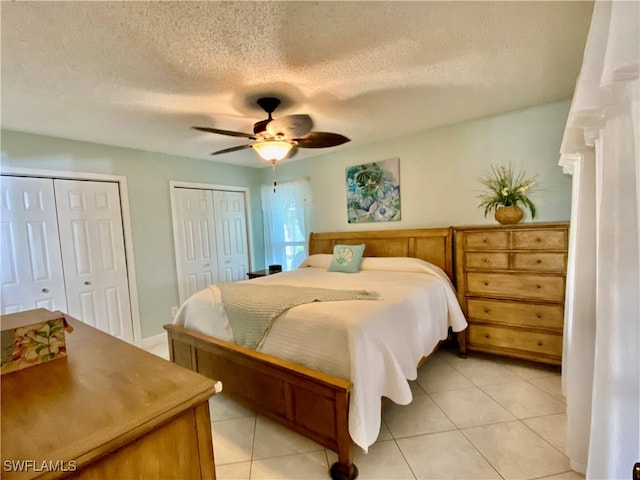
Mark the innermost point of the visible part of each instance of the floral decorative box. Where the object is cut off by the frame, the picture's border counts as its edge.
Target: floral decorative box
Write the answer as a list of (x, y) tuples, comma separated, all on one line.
[(32, 337)]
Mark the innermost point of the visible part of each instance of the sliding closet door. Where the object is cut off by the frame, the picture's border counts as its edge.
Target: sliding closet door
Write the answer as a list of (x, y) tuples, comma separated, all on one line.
[(32, 274), (231, 235), (195, 240), (93, 253)]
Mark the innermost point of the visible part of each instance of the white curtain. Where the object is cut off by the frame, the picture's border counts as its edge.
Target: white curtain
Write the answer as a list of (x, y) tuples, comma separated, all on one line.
[(286, 215), (601, 149)]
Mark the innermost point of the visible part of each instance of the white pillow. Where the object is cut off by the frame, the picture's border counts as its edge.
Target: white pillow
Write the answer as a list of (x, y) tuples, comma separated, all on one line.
[(396, 264), (319, 260), (388, 264)]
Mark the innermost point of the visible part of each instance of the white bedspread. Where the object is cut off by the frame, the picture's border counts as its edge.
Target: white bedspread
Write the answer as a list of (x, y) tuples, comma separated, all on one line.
[(375, 344)]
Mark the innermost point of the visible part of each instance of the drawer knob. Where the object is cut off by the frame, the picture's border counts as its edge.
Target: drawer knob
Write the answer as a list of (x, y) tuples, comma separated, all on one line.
[(486, 284), (539, 343), (538, 239), (538, 286), (486, 260), (539, 315), (486, 310), (538, 261), (486, 335)]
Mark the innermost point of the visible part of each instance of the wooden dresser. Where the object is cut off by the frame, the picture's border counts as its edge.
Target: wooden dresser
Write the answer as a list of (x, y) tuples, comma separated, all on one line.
[(511, 285), (108, 410)]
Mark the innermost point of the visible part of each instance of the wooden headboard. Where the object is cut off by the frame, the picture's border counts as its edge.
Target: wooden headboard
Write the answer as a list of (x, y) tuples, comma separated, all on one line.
[(435, 245)]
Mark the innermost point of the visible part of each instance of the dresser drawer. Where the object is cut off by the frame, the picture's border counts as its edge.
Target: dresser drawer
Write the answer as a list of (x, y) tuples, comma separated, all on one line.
[(537, 287), (540, 261), (540, 240), (487, 260), (505, 337), (488, 240), (516, 313)]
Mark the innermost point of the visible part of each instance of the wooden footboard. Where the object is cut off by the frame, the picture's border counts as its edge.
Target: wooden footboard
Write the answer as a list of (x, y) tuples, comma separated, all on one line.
[(309, 402)]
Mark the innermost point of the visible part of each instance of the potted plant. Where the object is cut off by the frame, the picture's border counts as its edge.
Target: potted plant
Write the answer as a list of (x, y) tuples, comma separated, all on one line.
[(508, 191)]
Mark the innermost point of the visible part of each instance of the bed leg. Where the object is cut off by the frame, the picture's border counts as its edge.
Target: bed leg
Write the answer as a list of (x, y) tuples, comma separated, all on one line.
[(462, 343), (341, 471), (344, 468)]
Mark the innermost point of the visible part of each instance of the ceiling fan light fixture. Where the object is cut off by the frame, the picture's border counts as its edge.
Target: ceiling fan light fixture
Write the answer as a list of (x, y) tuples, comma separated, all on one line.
[(272, 150)]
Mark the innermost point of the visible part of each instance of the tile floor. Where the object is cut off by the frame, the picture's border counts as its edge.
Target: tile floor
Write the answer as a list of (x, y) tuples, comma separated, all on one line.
[(484, 417)]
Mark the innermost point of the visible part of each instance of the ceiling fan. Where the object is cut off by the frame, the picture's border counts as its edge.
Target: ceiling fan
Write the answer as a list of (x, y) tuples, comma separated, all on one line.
[(279, 138)]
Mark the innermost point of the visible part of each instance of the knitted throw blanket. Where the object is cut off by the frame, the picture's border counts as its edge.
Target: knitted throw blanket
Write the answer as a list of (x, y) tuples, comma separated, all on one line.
[(251, 308)]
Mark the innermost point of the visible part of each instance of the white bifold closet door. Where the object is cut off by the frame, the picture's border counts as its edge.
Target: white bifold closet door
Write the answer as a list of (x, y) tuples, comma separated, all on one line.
[(195, 240), (63, 249), (211, 243), (32, 274), (231, 235), (93, 255)]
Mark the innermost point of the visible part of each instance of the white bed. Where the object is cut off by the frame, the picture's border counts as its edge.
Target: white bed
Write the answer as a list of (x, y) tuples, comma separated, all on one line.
[(376, 344)]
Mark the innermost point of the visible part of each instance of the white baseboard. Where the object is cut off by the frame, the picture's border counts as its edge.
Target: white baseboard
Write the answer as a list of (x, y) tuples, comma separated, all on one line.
[(150, 343)]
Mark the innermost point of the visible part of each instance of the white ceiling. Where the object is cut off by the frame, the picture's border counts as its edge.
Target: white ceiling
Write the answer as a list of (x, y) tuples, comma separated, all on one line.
[(140, 74)]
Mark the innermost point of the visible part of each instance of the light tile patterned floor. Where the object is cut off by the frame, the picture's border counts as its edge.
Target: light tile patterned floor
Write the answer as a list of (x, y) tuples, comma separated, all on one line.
[(483, 417)]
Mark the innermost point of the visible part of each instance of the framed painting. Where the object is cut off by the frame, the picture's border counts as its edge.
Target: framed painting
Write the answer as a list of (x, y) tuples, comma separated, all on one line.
[(373, 192)]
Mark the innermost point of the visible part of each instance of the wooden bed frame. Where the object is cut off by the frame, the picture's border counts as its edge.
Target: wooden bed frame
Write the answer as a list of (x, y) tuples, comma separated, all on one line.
[(309, 402)]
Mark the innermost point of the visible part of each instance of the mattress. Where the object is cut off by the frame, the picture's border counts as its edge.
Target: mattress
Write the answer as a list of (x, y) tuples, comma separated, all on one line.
[(376, 344)]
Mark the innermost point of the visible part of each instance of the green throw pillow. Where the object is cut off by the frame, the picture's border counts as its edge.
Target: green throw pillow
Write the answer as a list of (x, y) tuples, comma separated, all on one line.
[(346, 258)]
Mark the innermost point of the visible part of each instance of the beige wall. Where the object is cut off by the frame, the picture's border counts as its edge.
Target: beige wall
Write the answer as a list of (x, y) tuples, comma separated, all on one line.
[(439, 170)]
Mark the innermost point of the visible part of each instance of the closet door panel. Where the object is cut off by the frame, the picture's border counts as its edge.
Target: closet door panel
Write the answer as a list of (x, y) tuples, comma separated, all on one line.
[(93, 252), (195, 240), (32, 275), (231, 235)]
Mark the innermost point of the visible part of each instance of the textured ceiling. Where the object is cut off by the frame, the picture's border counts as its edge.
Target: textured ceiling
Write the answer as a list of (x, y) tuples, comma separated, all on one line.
[(140, 74)]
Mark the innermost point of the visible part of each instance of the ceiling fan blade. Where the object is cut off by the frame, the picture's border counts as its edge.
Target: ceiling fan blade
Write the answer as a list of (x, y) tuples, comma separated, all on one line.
[(231, 149), (261, 126), (321, 140), (225, 132), (290, 126), (291, 153)]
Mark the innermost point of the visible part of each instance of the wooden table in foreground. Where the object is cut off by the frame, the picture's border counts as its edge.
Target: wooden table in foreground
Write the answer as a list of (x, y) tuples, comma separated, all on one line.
[(108, 410)]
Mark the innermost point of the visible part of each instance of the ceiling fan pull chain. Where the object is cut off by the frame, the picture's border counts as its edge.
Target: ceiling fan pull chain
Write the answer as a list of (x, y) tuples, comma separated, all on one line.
[(273, 169)]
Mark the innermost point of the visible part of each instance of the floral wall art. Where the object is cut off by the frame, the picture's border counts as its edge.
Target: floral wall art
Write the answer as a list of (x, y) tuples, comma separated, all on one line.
[(373, 192)]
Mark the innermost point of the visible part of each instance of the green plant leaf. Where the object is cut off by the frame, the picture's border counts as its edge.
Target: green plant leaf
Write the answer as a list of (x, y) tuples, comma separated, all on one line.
[(506, 187)]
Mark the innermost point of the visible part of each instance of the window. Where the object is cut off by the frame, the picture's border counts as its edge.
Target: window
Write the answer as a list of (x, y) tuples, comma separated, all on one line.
[(286, 215)]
